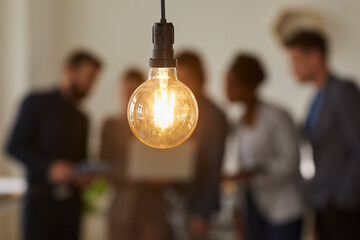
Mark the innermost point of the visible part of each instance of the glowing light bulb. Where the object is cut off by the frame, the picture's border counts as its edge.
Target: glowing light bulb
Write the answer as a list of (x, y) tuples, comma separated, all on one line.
[(162, 112)]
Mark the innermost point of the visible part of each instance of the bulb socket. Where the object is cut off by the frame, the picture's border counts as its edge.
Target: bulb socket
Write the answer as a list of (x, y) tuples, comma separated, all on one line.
[(163, 40)]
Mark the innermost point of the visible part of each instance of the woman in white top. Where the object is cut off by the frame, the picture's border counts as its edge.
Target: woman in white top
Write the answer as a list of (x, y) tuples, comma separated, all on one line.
[(269, 158)]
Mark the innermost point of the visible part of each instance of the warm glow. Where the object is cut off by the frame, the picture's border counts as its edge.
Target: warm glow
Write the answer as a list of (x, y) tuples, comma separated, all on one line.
[(162, 112)]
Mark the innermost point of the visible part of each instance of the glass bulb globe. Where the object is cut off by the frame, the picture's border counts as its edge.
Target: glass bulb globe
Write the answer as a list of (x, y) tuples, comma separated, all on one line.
[(162, 112)]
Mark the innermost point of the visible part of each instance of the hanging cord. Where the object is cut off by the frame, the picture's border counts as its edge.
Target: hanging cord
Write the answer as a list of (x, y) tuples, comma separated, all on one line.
[(163, 19)]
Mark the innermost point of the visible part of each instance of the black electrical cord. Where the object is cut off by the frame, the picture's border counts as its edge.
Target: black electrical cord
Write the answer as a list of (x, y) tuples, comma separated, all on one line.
[(163, 19)]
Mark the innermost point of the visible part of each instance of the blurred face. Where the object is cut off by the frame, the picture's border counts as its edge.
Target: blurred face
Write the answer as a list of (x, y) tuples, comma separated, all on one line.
[(236, 91), (127, 89), (305, 63), (82, 79), (186, 76)]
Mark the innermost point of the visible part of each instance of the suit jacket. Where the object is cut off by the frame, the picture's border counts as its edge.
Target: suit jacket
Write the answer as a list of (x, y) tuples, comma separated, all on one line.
[(47, 127), (203, 192), (336, 147)]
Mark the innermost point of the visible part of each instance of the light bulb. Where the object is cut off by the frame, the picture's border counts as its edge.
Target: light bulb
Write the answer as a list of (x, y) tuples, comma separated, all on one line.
[(162, 112)]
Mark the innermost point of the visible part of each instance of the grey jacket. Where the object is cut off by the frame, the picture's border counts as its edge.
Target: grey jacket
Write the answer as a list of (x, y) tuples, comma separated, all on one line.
[(270, 144), (336, 146)]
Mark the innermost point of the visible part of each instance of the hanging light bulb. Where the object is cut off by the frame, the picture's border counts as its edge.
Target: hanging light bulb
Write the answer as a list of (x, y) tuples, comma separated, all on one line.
[(163, 112)]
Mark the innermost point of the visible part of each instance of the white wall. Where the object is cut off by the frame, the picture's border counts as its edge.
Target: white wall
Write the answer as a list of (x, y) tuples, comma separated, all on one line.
[(120, 31)]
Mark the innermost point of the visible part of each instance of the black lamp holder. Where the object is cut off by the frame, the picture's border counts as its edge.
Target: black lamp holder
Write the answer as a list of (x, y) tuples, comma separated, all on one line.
[(163, 40)]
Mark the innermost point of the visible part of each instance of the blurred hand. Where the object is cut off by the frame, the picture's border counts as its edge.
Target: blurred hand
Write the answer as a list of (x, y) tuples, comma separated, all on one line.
[(60, 171), (239, 177), (198, 226)]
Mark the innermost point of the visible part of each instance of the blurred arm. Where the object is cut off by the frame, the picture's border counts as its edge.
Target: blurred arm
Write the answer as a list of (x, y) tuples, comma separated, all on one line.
[(285, 161), (206, 201), (23, 138), (109, 149), (106, 143), (347, 110)]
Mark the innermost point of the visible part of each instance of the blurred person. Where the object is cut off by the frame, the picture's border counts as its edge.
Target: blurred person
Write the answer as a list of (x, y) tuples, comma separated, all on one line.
[(49, 137), (268, 155), (138, 210), (202, 193), (333, 127)]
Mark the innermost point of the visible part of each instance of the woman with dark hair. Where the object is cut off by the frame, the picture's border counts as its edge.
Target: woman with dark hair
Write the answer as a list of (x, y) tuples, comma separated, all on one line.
[(138, 210), (268, 155)]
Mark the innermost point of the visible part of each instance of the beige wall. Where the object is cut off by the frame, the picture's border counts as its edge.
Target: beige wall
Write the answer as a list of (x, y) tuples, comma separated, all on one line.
[(14, 66), (120, 31)]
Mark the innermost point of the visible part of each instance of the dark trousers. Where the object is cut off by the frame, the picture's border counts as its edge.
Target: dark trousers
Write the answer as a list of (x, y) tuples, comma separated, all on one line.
[(258, 228), (338, 224), (46, 218)]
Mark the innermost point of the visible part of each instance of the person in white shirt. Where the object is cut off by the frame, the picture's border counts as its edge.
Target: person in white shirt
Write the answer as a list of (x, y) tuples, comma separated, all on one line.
[(268, 155)]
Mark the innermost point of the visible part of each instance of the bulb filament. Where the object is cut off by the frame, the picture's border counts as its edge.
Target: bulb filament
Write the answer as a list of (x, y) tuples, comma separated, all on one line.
[(164, 109)]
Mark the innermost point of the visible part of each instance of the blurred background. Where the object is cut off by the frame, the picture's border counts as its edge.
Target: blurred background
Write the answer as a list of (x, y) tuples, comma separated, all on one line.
[(36, 35)]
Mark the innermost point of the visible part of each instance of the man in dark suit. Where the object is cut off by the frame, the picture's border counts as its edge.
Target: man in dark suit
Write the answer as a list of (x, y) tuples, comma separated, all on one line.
[(333, 127), (202, 194), (49, 137)]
